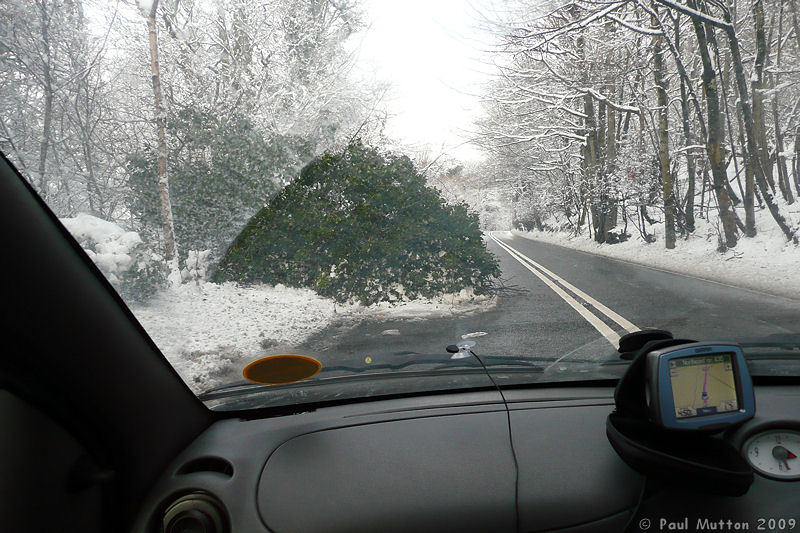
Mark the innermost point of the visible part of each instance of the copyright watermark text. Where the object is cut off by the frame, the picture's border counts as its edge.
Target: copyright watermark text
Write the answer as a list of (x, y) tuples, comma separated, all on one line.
[(719, 524)]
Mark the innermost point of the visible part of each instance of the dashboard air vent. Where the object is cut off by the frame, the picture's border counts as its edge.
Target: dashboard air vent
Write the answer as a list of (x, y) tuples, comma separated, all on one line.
[(207, 464)]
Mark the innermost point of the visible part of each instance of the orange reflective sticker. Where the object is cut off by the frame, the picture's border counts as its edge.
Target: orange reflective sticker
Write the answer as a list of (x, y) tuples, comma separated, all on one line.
[(281, 369)]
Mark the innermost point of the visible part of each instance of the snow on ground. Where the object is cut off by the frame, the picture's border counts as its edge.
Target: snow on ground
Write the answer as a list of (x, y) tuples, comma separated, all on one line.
[(209, 332), (462, 303), (204, 328), (766, 262)]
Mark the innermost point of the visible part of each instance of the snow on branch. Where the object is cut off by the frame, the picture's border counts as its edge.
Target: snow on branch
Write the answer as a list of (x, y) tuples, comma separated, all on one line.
[(582, 23), (692, 147), (632, 27), (686, 10), (599, 97)]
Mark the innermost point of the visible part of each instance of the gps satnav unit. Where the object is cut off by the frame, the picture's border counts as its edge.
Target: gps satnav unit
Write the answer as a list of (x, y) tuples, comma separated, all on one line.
[(676, 395), (699, 386)]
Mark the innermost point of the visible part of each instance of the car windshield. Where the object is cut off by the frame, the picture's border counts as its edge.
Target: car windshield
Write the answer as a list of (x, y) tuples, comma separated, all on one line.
[(418, 196)]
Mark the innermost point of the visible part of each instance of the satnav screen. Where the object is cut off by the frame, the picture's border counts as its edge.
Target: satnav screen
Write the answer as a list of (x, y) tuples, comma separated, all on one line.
[(703, 385)]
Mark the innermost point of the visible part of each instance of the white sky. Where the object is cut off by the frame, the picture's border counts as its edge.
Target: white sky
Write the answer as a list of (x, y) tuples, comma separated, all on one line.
[(430, 52)]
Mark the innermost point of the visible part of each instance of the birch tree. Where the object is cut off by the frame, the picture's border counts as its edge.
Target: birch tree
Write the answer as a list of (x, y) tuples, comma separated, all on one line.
[(149, 10)]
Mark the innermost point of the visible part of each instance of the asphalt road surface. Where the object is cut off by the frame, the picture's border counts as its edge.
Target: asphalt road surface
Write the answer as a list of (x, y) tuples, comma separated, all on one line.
[(570, 306)]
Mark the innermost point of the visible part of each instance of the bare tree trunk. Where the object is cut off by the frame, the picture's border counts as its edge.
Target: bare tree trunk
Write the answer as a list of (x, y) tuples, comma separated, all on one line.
[(796, 160), (749, 181), (716, 153), (750, 136), (688, 211), (663, 139), (757, 87), (601, 207), (795, 25), (44, 145), (748, 194), (723, 85), (780, 159), (83, 104), (170, 246), (590, 163), (705, 202), (611, 156), (47, 87)]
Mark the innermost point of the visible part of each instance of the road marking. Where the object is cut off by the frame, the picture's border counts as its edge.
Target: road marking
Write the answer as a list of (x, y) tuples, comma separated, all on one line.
[(622, 322), (610, 335)]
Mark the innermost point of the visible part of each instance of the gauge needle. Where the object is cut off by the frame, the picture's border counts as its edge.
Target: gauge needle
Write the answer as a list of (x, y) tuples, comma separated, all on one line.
[(782, 455)]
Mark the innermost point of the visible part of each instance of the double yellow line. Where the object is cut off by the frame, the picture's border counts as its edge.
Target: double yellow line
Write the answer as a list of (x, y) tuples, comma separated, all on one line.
[(553, 281)]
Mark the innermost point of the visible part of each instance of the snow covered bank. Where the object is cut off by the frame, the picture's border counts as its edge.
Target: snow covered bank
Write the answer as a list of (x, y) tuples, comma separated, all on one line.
[(109, 245), (766, 262), (130, 264), (209, 332)]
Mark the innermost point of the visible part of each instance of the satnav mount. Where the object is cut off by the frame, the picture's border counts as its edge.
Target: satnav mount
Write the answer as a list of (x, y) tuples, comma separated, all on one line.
[(689, 454)]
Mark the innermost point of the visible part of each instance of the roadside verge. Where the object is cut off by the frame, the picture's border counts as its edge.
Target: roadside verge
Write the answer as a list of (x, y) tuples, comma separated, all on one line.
[(764, 264)]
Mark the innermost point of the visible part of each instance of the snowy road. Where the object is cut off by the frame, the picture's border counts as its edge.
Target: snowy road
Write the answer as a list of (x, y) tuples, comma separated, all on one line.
[(571, 305), (686, 305)]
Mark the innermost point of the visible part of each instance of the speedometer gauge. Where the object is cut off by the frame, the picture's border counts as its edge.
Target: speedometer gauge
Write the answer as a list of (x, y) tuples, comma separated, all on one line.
[(774, 454)]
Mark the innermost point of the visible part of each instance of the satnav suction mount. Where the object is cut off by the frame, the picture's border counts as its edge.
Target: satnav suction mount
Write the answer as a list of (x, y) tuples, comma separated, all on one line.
[(682, 450)]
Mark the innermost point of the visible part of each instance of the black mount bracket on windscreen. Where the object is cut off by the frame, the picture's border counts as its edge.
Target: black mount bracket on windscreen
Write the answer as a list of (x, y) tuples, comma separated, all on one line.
[(693, 459)]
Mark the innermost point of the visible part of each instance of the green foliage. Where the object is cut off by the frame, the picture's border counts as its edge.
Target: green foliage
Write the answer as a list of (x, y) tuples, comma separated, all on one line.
[(362, 226), (146, 276), (132, 267), (220, 174)]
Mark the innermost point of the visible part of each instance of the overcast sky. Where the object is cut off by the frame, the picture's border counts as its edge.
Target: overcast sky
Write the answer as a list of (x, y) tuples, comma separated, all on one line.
[(430, 52)]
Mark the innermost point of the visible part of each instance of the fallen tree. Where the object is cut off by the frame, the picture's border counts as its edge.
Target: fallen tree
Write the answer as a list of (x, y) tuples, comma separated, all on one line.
[(362, 226)]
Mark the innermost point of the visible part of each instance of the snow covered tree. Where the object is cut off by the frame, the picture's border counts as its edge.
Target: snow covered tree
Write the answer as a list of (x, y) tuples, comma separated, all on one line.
[(55, 123), (574, 90)]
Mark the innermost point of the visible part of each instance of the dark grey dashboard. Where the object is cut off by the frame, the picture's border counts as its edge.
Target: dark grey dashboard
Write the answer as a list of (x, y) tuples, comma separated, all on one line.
[(444, 462)]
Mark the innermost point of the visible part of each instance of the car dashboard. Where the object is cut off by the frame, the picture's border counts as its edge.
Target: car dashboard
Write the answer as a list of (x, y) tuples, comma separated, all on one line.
[(462, 462)]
